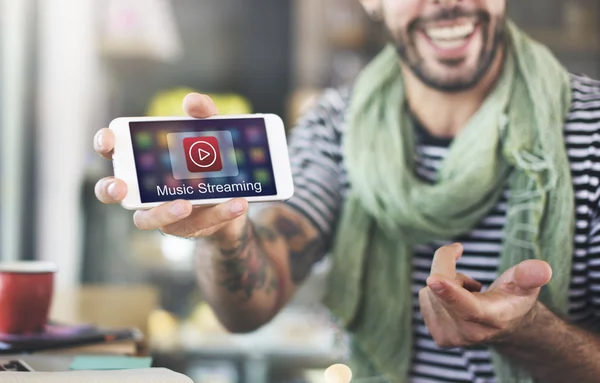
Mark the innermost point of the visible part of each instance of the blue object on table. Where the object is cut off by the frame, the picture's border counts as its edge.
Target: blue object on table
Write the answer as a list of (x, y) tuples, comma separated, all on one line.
[(102, 362)]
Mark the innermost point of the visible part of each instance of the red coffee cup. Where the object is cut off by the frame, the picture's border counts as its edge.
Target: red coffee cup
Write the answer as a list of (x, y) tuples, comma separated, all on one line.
[(25, 296)]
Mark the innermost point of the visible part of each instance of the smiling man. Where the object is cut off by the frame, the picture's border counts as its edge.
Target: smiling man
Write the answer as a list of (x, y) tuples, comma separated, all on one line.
[(447, 48), (455, 186)]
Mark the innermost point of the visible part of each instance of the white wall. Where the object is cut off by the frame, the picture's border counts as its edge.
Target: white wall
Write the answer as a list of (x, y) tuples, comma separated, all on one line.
[(16, 24), (70, 85)]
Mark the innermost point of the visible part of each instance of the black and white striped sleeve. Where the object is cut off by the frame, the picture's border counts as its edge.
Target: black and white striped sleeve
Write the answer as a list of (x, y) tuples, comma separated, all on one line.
[(583, 140), (315, 156)]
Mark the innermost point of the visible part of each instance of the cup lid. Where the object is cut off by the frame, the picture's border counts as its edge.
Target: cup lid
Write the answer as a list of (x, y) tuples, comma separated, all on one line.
[(28, 267)]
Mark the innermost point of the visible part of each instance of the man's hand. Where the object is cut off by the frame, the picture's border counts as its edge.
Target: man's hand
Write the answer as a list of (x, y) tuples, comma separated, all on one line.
[(457, 314), (247, 269), (224, 222)]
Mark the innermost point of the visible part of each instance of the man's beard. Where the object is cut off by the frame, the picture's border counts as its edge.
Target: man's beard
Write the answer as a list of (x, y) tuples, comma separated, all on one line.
[(409, 54)]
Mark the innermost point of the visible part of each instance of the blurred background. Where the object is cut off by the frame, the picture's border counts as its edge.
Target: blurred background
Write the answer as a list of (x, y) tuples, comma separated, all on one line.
[(67, 68)]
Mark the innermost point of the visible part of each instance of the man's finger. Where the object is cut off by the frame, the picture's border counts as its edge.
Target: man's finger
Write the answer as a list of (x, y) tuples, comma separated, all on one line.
[(208, 217), (199, 106), (219, 214), (468, 283), (104, 143), (455, 298), (110, 190), (529, 276), (444, 260), (163, 215)]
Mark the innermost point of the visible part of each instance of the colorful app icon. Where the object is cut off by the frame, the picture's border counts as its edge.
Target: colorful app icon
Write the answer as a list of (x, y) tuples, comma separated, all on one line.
[(161, 139), (235, 133), (258, 156), (262, 176), (147, 161), (165, 159), (150, 183), (240, 157), (255, 134), (202, 154), (143, 140)]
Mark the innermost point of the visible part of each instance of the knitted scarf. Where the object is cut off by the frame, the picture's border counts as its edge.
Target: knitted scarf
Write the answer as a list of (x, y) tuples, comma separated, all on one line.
[(515, 139)]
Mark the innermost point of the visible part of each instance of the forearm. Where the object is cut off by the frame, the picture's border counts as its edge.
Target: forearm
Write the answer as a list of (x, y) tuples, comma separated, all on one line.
[(248, 280), (553, 351)]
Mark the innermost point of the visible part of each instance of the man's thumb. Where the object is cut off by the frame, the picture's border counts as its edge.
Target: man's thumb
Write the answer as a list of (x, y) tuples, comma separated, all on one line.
[(531, 275)]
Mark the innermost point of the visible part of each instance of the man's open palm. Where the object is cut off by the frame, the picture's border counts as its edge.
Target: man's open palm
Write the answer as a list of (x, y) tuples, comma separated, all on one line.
[(457, 314)]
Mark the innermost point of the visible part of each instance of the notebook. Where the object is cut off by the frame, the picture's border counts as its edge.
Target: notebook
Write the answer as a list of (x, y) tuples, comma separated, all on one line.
[(149, 375), (59, 336)]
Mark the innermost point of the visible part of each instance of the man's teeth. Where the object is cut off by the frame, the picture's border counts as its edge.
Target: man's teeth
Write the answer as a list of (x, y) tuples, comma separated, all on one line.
[(450, 34), (449, 44)]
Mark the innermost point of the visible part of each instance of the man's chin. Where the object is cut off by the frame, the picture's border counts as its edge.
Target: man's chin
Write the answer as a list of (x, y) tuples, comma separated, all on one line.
[(449, 83), (450, 75), (454, 64)]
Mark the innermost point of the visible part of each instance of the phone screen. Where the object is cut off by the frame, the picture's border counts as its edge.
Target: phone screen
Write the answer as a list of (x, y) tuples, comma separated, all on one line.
[(202, 159)]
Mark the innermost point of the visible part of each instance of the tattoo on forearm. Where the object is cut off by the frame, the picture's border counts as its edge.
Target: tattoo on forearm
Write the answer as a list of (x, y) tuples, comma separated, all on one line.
[(304, 249), (265, 233), (246, 267)]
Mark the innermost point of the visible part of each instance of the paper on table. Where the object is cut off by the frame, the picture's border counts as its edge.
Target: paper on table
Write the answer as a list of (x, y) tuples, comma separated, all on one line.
[(148, 375), (109, 362)]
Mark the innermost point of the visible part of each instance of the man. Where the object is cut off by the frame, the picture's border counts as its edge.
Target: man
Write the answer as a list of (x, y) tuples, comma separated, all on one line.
[(463, 130)]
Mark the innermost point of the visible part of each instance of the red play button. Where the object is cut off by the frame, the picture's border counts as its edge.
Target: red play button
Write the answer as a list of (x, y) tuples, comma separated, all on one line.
[(202, 154)]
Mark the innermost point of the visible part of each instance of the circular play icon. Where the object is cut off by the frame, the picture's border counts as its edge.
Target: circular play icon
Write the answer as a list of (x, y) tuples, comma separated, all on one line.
[(202, 154)]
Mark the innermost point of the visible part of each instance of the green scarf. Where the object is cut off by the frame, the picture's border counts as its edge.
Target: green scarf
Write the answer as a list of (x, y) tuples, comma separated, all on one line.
[(515, 139)]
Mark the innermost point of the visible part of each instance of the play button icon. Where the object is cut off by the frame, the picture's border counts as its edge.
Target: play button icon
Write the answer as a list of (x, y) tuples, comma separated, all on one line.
[(202, 154)]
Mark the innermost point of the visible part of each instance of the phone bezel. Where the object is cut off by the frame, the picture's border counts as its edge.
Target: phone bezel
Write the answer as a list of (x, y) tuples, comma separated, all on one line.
[(124, 163)]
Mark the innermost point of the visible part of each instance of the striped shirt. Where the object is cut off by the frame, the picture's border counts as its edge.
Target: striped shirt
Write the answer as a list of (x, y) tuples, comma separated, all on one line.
[(321, 185)]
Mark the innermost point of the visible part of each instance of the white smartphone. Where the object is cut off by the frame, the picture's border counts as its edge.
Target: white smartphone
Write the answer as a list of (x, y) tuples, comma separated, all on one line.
[(206, 161)]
